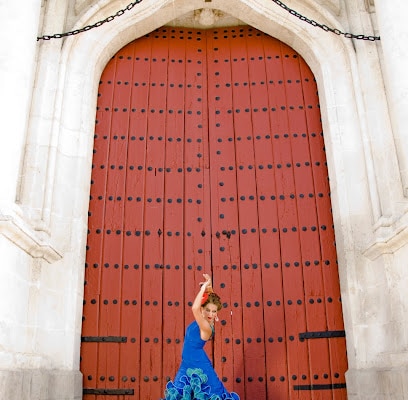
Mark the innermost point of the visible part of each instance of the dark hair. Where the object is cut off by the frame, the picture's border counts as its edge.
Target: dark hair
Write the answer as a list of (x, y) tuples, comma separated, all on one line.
[(213, 298)]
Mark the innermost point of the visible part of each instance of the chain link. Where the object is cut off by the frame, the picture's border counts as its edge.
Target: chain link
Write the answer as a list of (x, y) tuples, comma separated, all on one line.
[(89, 27), (323, 26), (278, 2)]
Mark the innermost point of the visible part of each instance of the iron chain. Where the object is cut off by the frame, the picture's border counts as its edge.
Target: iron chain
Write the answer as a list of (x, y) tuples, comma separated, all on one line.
[(323, 26), (89, 27), (278, 2)]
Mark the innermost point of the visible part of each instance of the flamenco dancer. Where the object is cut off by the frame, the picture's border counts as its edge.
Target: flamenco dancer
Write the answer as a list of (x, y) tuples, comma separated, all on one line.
[(196, 378)]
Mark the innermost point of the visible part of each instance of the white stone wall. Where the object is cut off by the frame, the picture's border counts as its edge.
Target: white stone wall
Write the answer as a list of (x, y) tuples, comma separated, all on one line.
[(47, 105)]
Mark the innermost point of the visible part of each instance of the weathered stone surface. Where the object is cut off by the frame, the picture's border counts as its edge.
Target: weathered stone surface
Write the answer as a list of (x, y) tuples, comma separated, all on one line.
[(40, 384), (47, 109)]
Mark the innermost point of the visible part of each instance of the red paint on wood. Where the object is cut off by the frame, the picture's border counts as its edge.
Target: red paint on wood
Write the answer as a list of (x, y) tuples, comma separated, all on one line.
[(209, 157)]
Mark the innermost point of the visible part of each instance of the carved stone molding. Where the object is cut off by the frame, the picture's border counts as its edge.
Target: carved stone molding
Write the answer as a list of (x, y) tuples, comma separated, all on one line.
[(18, 231), (389, 239), (207, 16), (370, 6)]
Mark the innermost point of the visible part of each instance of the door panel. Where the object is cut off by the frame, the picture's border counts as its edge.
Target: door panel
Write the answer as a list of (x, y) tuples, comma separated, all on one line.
[(209, 157)]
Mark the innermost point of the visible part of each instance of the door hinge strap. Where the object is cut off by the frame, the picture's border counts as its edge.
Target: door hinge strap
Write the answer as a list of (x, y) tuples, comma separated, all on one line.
[(329, 386), (109, 392), (104, 339), (322, 334)]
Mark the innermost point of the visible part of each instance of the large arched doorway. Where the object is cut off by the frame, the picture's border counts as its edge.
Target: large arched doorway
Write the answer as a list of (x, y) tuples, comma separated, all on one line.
[(209, 157)]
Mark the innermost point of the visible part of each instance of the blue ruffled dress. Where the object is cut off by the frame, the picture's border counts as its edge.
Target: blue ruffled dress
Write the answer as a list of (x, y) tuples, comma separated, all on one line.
[(196, 378)]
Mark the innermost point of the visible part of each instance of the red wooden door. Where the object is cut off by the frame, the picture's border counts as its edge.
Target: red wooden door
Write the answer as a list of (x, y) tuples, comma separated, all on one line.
[(209, 157)]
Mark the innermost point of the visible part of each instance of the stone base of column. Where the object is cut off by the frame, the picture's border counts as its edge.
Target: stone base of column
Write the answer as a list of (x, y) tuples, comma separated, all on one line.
[(40, 384), (377, 384)]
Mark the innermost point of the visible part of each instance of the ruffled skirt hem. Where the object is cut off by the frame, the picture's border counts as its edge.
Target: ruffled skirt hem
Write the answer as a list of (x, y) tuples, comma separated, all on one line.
[(193, 385)]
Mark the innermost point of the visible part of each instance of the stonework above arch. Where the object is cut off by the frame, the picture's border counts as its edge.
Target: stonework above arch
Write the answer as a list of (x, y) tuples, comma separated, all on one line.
[(206, 18), (80, 5), (332, 6)]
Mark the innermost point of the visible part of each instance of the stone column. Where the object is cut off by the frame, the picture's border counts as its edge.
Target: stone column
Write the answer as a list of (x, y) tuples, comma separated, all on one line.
[(18, 30), (36, 189), (393, 29), (31, 366)]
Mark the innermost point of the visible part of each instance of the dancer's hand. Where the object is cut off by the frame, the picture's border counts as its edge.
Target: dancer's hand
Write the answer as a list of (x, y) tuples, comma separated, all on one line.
[(207, 284)]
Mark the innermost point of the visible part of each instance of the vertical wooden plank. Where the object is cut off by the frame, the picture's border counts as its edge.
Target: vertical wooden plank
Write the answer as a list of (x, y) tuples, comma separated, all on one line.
[(114, 219), (228, 357), (274, 318), (151, 333), (331, 296), (197, 238), (173, 232), (253, 338), (247, 224), (94, 261), (117, 195), (310, 243), (293, 299), (133, 219)]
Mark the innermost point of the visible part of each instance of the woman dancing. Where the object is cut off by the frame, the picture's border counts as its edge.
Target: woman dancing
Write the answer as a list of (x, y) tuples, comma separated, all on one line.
[(196, 378)]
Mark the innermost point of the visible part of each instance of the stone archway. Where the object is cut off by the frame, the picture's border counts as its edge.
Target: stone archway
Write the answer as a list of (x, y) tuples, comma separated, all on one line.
[(85, 56)]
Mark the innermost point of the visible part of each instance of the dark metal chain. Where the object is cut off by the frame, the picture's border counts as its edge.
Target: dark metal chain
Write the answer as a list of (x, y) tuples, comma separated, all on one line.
[(323, 26), (278, 2), (89, 27)]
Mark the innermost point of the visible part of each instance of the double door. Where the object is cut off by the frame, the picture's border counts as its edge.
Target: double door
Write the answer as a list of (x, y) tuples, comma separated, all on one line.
[(209, 157)]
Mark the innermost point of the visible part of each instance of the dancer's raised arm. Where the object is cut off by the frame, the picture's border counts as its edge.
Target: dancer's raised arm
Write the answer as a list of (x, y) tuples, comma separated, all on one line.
[(203, 317)]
